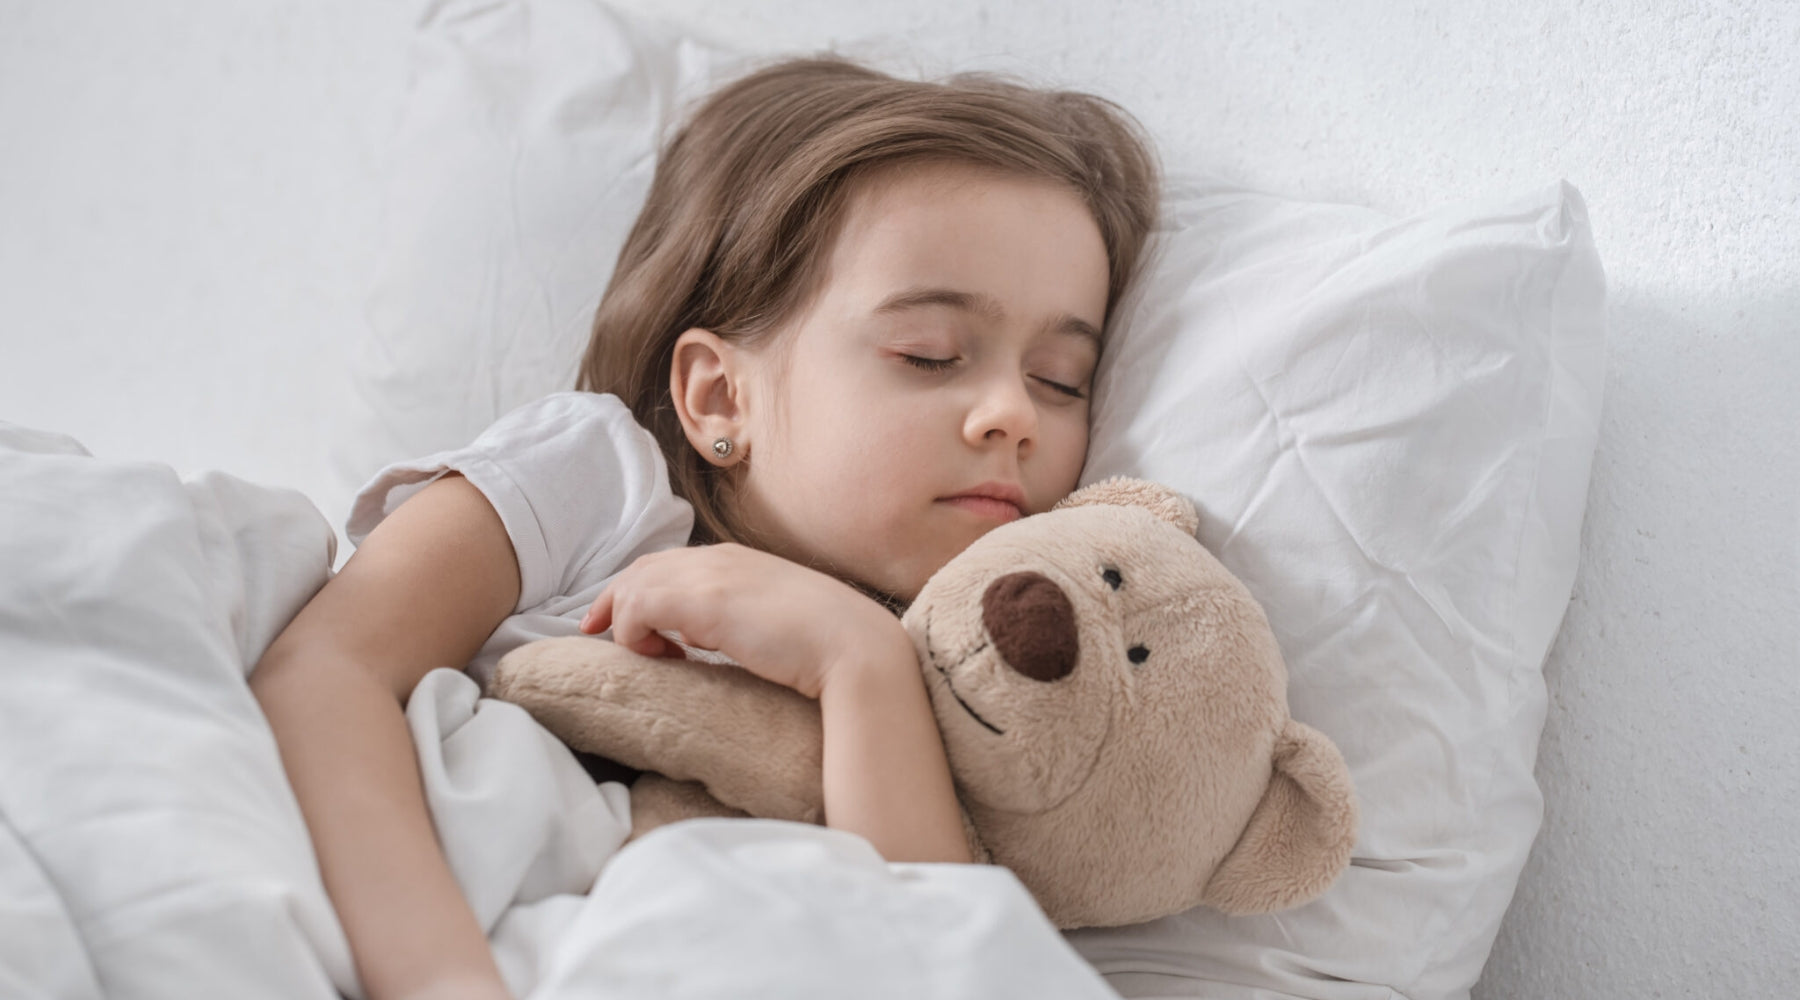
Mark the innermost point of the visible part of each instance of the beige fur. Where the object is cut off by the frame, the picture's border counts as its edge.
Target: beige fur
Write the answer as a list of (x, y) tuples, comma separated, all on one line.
[(1117, 791)]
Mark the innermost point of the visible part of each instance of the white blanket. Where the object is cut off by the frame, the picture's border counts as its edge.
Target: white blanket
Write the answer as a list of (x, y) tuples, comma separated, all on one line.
[(150, 846)]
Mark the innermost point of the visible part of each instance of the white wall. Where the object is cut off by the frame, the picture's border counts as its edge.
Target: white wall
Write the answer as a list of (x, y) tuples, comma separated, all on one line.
[(187, 191), (200, 176)]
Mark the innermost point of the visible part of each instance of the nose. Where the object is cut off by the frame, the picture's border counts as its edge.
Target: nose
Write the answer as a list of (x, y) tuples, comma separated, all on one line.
[(1003, 412), (1032, 624)]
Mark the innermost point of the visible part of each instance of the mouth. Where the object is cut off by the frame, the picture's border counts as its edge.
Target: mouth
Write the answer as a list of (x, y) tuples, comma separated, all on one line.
[(987, 508), (1003, 502), (951, 686)]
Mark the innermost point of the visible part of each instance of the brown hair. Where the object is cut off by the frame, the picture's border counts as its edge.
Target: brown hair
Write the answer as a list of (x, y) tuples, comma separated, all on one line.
[(747, 198)]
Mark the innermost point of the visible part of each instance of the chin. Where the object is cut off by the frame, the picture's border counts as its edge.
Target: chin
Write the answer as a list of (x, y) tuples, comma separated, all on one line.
[(897, 580), (900, 589), (904, 591)]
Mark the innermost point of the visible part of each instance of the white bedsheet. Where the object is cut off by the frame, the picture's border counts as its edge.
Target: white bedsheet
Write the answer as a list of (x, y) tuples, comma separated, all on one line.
[(150, 847)]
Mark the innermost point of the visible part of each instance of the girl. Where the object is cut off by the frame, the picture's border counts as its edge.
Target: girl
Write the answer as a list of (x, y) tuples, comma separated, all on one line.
[(853, 329)]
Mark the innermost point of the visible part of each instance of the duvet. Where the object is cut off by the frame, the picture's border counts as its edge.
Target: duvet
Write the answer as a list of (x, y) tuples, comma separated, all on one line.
[(150, 846)]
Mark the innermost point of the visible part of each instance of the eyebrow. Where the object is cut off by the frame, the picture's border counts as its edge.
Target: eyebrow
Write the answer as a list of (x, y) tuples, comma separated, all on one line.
[(985, 306)]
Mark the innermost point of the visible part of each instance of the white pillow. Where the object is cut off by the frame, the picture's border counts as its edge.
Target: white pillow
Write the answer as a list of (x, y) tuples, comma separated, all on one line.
[(524, 152), (1387, 425)]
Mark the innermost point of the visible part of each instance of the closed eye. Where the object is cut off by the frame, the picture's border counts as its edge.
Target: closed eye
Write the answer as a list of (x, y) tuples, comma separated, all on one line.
[(928, 364), (1067, 390), (944, 364)]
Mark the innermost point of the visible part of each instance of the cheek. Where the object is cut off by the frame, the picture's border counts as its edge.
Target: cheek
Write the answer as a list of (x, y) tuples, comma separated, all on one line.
[(871, 427), (1066, 445), (857, 443)]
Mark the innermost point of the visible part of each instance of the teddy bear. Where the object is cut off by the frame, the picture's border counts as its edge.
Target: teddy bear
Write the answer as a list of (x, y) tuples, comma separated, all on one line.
[(1112, 703)]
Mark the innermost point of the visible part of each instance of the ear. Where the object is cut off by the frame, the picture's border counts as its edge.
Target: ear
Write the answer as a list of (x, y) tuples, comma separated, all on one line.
[(1298, 840), (706, 386), (1123, 491)]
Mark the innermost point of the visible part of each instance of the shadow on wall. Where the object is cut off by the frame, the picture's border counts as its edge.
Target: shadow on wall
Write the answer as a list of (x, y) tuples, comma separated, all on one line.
[(1665, 858)]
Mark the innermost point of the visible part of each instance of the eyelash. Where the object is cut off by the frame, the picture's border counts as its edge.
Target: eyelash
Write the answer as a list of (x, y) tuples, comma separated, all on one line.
[(942, 364)]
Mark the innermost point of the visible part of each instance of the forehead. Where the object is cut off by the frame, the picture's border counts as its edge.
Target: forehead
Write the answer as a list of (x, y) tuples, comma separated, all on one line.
[(1029, 244)]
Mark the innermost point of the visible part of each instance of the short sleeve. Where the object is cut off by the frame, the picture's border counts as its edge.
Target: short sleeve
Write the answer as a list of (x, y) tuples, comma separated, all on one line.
[(581, 488)]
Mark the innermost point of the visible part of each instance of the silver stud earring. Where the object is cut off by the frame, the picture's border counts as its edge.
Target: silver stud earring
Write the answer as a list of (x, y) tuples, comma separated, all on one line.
[(722, 447)]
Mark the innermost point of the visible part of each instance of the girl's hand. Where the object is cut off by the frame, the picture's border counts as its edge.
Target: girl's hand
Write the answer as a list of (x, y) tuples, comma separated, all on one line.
[(884, 773), (778, 619)]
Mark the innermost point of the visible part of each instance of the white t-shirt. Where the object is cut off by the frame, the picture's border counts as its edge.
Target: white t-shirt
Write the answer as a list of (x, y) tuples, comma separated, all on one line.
[(582, 489)]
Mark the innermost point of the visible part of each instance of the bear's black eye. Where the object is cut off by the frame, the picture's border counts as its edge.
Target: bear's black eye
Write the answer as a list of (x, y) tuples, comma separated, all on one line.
[(1138, 654), (1113, 579)]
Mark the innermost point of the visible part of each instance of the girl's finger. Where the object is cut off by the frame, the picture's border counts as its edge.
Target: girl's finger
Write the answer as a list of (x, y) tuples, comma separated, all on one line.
[(664, 648), (635, 625), (599, 614), (630, 632), (653, 644)]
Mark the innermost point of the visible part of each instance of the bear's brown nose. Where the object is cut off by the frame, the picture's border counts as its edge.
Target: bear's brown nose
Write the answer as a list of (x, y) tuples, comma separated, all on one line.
[(1032, 624)]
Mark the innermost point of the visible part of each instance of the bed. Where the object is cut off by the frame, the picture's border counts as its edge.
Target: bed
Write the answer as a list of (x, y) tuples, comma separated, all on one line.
[(312, 239)]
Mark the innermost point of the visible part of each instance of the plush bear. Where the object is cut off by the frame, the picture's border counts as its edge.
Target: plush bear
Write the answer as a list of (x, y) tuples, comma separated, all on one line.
[(1111, 700)]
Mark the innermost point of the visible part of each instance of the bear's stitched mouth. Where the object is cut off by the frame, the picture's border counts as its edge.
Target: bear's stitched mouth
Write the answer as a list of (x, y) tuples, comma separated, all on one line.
[(932, 654), (972, 713)]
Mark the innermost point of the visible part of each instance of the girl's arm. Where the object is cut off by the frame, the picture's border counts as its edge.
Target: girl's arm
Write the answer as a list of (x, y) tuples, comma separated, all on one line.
[(886, 777), (424, 590)]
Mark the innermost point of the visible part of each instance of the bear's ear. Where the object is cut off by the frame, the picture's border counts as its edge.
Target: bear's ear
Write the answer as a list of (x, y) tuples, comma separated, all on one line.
[(1123, 491), (1298, 840)]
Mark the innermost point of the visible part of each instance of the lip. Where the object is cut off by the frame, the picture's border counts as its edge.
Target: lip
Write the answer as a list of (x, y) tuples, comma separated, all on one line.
[(999, 501)]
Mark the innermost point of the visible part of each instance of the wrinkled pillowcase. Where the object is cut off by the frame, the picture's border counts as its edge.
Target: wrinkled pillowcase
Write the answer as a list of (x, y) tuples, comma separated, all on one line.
[(1387, 426)]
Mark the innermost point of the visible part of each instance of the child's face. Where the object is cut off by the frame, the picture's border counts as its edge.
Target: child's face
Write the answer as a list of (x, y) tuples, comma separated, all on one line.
[(949, 352)]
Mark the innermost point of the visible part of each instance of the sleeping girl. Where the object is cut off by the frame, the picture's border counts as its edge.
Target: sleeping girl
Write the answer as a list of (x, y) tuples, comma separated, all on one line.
[(854, 328)]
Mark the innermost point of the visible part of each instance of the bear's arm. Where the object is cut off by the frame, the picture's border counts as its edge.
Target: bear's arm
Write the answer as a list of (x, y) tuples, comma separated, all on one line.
[(754, 745)]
